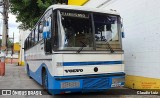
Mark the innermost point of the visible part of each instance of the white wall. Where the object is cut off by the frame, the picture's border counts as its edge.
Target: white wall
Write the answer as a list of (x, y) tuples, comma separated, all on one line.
[(142, 32), (96, 3), (23, 36)]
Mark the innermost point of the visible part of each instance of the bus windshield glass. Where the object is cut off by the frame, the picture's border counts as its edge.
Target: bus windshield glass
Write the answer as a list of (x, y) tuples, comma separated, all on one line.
[(75, 29), (90, 31), (107, 31)]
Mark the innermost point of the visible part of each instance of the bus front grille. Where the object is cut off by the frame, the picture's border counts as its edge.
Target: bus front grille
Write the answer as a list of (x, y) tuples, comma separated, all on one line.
[(96, 83)]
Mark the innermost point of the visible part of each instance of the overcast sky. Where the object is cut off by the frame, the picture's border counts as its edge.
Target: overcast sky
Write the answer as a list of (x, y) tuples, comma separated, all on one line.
[(13, 27)]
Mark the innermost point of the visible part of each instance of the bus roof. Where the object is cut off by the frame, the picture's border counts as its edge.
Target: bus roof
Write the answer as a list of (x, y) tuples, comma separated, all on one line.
[(83, 8)]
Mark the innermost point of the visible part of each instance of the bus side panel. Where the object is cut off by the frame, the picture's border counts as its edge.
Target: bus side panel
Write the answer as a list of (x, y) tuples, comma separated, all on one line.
[(37, 75)]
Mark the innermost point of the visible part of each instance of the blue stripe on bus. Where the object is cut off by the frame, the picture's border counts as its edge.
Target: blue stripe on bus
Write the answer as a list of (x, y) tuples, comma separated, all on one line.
[(92, 63), (115, 74)]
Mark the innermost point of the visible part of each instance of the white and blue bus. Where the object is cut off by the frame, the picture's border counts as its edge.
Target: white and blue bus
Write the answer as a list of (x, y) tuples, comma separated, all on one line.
[(76, 49)]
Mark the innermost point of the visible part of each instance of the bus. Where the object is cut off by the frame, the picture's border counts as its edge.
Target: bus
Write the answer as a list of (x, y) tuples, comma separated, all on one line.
[(76, 49)]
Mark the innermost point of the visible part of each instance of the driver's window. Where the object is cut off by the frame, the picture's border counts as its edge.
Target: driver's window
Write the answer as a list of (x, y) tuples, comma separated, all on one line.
[(47, 30)]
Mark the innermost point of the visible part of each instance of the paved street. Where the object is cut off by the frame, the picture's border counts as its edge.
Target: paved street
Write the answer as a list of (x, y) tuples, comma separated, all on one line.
[(16, 78)]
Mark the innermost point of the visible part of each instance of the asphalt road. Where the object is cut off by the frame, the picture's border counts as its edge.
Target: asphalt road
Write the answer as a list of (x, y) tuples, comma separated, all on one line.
[(16, 78)]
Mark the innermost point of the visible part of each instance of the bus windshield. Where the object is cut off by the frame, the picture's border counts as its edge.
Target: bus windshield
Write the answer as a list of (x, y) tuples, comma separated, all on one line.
[(96, 31)]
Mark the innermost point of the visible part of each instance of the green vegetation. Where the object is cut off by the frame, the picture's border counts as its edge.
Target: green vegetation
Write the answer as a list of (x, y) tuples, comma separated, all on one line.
[(29, 11), (10, 43)]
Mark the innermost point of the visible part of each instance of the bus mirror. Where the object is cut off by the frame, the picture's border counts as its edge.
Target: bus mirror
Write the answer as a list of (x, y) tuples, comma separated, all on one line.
[(46, 35)]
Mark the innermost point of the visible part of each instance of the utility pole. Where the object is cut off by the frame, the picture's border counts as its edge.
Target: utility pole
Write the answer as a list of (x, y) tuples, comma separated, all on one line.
[(5, 4), (5, 24)]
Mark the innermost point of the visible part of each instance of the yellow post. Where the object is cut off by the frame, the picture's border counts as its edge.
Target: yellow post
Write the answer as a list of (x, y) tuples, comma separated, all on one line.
[(16, 48)]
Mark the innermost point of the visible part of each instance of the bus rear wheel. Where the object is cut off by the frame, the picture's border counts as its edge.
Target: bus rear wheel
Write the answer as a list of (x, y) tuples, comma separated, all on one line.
[(44, 79)]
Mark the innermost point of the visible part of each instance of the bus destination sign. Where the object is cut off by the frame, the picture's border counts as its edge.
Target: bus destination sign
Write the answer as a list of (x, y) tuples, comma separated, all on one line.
[(78, 15)]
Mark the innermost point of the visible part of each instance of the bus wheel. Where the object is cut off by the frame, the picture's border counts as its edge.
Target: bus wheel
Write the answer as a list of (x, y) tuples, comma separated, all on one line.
[(28, 72), (44, 79)]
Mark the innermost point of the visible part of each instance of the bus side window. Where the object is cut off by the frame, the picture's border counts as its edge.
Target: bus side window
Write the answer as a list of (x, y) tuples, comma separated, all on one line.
[(33, 39), (36, 35), (54, 31), (40, 30), (27, 43), (47, 35), (29, 40), (25, 46)]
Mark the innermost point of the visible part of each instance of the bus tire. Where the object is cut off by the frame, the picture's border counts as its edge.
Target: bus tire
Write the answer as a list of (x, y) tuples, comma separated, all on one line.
[(28, 72), (44, 79)]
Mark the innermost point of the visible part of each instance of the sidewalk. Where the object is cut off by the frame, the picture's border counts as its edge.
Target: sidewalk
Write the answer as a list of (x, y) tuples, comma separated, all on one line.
[(16, 78)]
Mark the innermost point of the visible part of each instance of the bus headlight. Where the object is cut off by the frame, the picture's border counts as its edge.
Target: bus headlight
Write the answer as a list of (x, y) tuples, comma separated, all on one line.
[(73, 84)]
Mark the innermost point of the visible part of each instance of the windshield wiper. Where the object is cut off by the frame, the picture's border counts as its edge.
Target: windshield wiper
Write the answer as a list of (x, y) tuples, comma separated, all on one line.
[(81, 48), (109, 46)]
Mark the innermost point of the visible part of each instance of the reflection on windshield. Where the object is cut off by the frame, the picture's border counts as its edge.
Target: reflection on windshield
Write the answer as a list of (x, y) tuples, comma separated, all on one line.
[(106, 30), (76, 30)]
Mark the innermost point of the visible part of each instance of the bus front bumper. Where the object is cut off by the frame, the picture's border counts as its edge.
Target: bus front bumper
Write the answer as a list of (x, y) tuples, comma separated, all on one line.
[(88, 83)]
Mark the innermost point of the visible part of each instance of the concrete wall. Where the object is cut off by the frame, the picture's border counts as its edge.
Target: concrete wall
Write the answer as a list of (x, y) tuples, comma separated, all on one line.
[(141, 45), (96, 3)]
